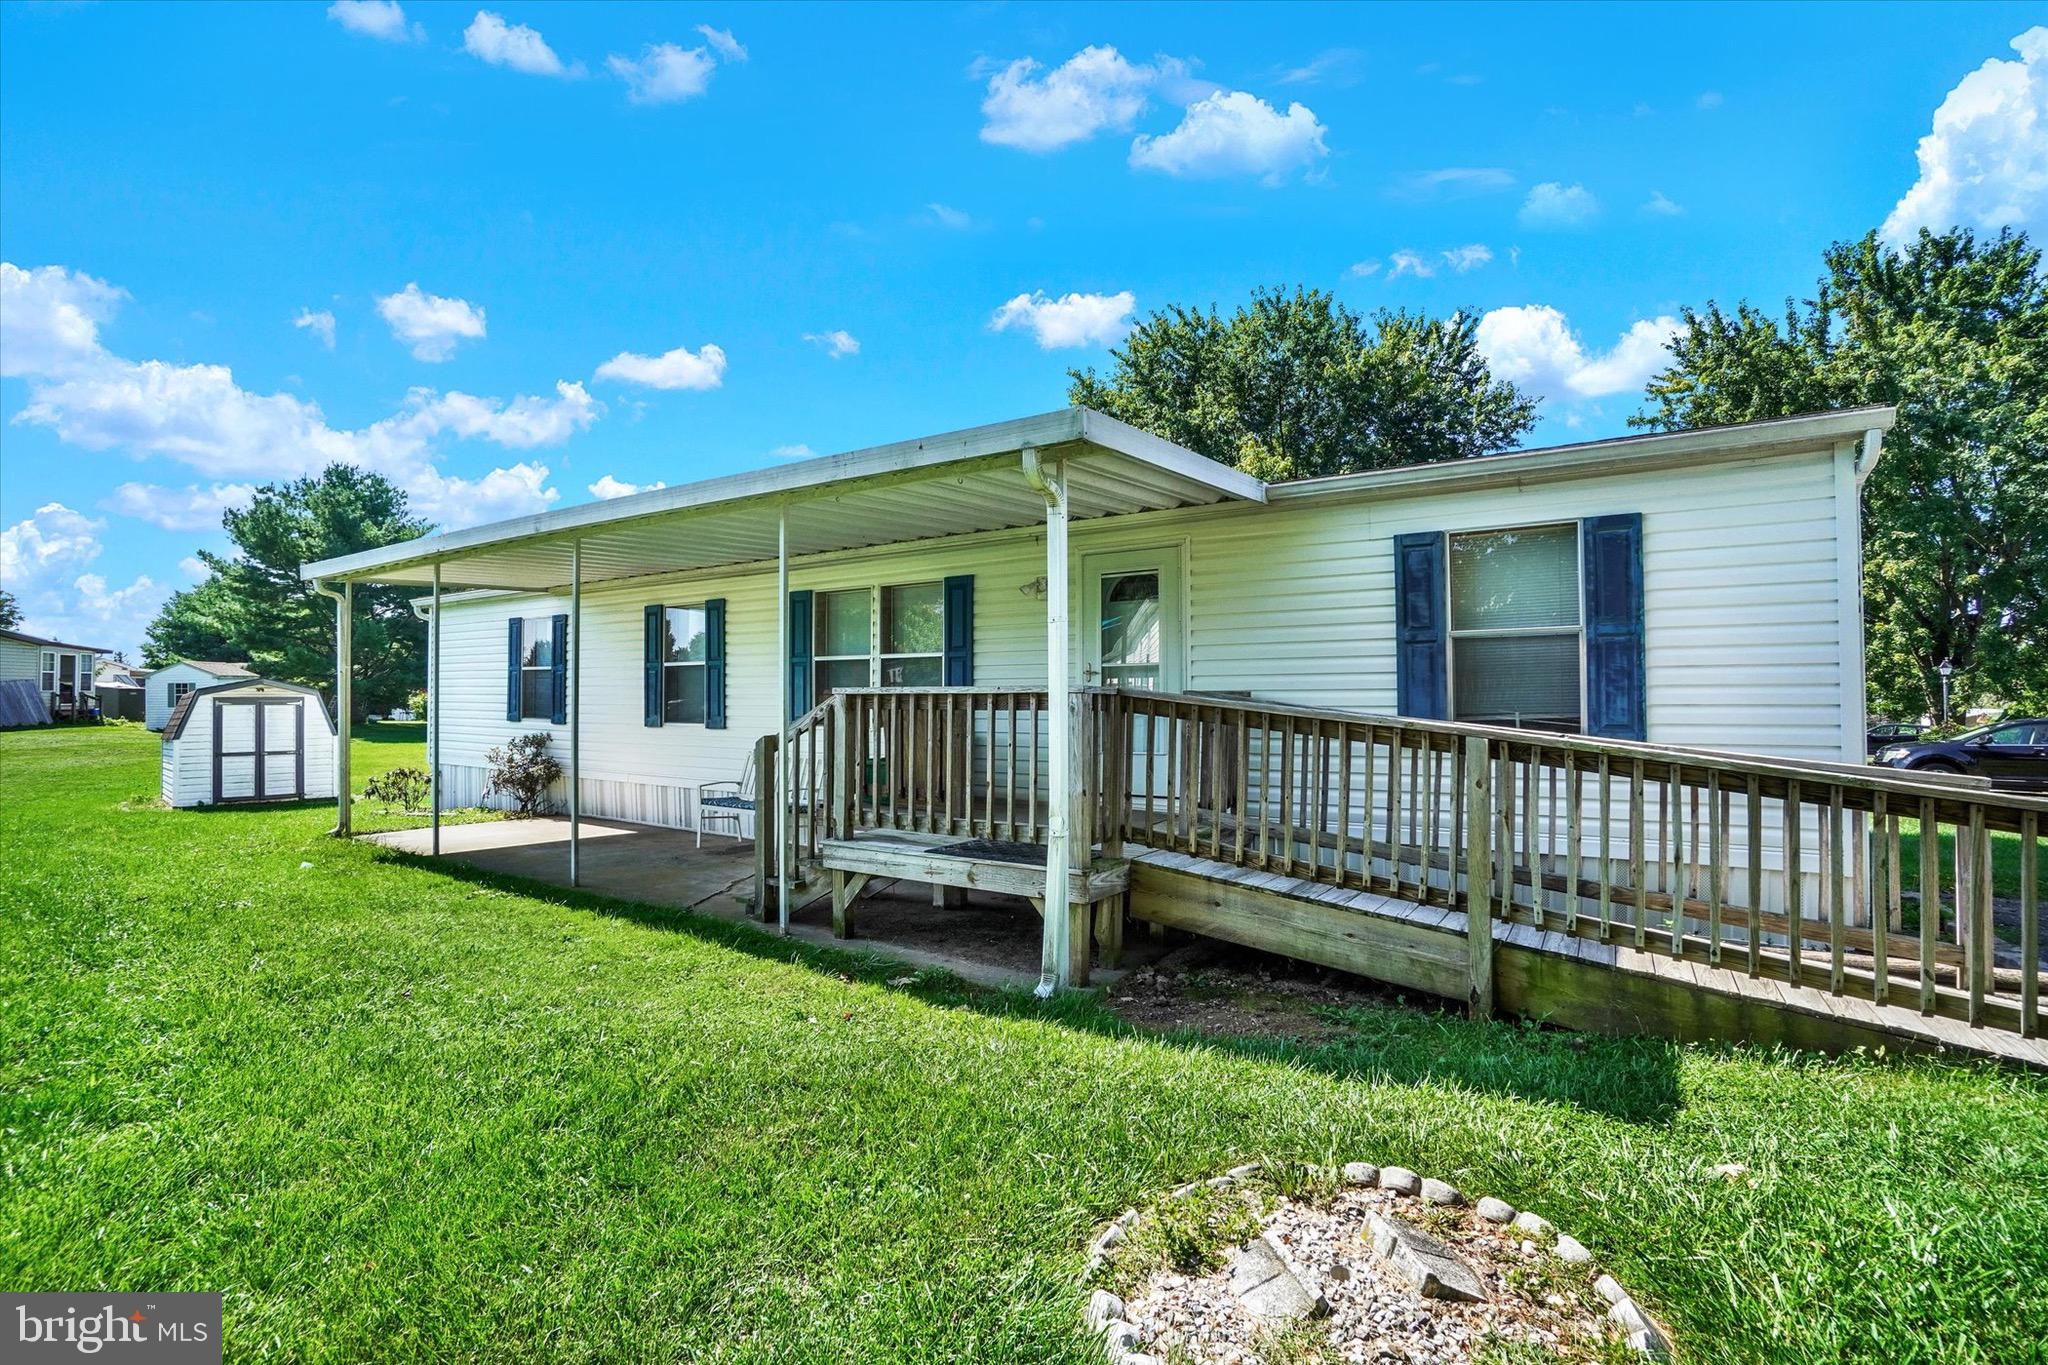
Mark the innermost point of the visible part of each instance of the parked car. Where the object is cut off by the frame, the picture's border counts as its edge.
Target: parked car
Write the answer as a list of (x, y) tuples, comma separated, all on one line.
[(2012, 753), (1891, 732)]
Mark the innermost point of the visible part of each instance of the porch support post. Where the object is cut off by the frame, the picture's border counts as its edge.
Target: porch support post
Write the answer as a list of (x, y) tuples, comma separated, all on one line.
[(344, 700), (434, 706), (1055, 966), (779, 821), (575, 712)]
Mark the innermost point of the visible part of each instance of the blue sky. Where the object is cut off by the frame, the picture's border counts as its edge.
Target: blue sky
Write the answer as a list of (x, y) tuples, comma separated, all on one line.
[(520, 256)]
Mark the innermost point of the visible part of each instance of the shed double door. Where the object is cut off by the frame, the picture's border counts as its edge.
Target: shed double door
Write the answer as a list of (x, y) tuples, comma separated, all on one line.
[(259, 750)]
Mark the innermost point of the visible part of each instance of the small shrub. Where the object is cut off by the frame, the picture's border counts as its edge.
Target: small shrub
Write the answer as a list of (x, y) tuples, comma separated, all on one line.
[(405, 788), (524, 771), (416, 703)]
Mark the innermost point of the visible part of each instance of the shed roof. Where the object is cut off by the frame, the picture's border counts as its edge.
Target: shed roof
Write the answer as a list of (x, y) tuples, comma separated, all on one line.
[(182, 712), (934, 486), (220, 668)]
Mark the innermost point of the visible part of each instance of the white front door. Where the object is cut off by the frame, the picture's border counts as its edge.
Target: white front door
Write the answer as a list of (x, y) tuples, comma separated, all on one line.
[(1131, 622)]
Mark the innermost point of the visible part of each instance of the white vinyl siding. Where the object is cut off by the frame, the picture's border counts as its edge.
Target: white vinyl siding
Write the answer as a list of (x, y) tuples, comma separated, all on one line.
[(1748, 619)]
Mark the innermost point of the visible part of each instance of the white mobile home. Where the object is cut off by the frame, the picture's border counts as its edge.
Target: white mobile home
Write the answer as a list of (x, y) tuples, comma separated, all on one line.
[(1700, 588), (62, 672), (248, 740), (163, 689)]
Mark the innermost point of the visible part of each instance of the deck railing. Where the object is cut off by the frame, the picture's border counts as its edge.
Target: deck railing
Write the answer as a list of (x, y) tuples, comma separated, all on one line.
[(1852, 881)]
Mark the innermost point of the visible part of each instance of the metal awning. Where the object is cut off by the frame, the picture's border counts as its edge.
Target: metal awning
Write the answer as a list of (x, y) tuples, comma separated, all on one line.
[(952, 484)]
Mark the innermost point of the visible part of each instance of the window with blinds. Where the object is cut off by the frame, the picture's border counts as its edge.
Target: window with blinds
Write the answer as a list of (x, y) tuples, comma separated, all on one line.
[(1515, 628)]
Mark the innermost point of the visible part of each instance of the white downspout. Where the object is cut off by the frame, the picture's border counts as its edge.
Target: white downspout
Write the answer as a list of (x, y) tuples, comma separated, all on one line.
[(344, 699), (1051, 483)]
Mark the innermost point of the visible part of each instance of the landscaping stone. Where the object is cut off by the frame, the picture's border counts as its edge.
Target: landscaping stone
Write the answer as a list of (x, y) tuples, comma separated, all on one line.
[(1650, 1342), (1223, 1182), (1496, 1210), (1438, 1192), (1628, 1317), (1103, 1309), (1120, 1340), (1399, 1179), (1607, 1289), (1112, 1237), (1571, 1251), (1434, 1269), (1244, 1172), (1533, 1225), (1268, 1291), (1361, 1173)]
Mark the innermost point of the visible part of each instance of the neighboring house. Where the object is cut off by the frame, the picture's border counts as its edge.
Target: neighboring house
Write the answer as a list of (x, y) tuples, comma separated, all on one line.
[(62, 672), (168, 685), (1693, 588), (120, 690)]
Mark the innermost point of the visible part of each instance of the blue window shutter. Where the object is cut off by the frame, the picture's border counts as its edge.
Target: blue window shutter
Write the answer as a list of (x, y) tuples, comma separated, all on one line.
[(1615, 676), (960, 631), (714, 664), (558, 681), (650, 667), (1419, 641), (799, 653), (514, 648)]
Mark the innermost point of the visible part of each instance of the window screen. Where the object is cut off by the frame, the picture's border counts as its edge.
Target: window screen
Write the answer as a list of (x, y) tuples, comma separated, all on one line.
[(1515, 628)]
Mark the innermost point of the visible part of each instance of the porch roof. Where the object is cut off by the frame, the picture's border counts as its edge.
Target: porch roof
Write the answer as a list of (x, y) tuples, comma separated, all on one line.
[(942, 485)]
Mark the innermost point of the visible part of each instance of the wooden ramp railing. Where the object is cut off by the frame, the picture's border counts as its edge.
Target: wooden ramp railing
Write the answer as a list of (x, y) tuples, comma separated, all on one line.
[(1840, 879)]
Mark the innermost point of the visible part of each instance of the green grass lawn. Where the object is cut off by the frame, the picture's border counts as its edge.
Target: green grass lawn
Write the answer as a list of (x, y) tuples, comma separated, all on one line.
[(397, 1112)]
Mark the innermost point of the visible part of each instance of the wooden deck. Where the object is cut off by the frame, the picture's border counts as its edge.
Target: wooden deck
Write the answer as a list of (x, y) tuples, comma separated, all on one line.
[(968, 864), (1543, 973)]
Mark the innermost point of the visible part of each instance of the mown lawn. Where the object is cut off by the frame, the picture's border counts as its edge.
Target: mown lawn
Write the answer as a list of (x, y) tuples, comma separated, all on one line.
[(399, 1113)]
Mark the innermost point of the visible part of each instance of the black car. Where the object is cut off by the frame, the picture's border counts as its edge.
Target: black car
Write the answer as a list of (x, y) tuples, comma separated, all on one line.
[(2012, 753), (1887, 733)]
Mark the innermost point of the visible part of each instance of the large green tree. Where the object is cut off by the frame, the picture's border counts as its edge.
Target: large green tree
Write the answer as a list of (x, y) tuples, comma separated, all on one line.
[(1296, 385), (10, 611), (1953, 330), (253, 605)]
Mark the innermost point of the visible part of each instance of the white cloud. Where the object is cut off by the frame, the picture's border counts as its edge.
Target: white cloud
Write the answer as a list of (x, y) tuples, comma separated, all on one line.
[(608, 488), (728, 48), (1536, 348), (1468, 257), (1456, 180), (1709, 99), (1234, 133), (381, 19), (1406, 262), (1333, 66), (190, 508), (838, 344), (1660, 206), (1551, 204), (664, 74), (489, 38), (677, 369), (522, 424), (1984, 165), (45, 561), (428, 323), (1070, 320), (1093, 91), (193, 567), (198, 416), (50, 317), (320, 324), (946, 216), (1362, 269), (799, 451)]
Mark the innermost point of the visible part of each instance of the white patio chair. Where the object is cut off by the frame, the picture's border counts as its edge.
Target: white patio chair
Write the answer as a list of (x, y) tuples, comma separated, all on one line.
[(726, 802)]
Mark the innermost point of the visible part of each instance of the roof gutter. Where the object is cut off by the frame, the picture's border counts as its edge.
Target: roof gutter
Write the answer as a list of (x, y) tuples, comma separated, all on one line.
[(1873, 449)]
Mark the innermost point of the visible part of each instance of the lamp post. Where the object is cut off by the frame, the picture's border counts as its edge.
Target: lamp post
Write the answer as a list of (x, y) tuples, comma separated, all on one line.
[(1944, 668)]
